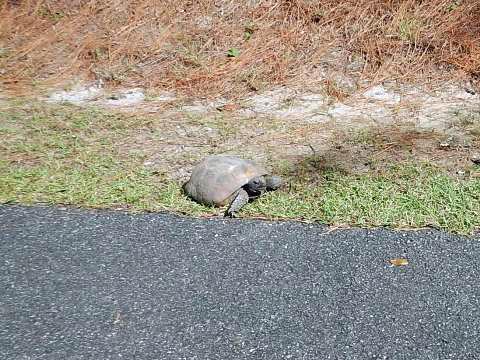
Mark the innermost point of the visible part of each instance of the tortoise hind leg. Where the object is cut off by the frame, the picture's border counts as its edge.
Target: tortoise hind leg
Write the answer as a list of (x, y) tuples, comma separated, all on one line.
[(239, 200)]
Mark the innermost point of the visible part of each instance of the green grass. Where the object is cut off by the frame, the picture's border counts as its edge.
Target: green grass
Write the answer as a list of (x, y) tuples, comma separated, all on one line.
[(405, 196), (66, 155)]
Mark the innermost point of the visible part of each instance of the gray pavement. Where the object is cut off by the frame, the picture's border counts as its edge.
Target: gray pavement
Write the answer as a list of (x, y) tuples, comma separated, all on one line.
[(79, 284)]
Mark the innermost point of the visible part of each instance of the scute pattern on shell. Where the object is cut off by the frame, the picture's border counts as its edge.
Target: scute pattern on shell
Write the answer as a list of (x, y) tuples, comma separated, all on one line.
[(217, 177)]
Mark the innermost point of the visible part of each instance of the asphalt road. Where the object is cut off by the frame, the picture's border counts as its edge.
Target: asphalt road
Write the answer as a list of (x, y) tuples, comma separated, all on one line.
[(109, 285)]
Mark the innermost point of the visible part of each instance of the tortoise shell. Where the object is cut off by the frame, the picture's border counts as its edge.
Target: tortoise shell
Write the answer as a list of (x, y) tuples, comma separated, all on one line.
[(216, 178)]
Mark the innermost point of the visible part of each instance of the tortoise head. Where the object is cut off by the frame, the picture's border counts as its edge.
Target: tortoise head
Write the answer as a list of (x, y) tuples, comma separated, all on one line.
[(256, 186), (273, 182)]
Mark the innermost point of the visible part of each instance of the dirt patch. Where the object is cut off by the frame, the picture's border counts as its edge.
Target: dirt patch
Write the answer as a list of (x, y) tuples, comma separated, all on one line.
[(173, 144), (288, 127), (379, 148)]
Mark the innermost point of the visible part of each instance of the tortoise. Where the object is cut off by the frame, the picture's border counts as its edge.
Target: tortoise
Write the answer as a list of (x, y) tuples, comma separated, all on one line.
[(219, 180)]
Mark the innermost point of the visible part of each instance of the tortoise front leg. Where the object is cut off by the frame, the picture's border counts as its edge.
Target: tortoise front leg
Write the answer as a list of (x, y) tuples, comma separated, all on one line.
[(239, 200)]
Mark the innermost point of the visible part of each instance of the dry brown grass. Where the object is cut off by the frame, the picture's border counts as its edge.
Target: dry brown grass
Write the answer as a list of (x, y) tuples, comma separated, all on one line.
[(183, 44)]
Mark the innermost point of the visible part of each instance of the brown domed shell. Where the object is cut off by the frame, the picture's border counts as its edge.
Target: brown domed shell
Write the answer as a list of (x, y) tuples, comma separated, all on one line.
[(217, 177)]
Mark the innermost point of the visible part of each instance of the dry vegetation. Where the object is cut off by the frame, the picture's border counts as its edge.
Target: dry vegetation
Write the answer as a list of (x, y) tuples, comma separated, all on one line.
[(184, 44)]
